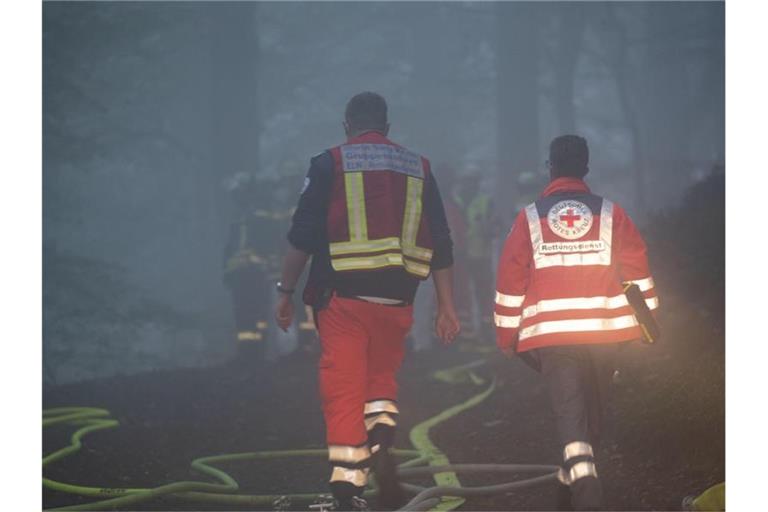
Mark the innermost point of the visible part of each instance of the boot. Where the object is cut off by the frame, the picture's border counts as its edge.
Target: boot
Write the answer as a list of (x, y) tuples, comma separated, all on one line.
[(391, 495), (348, 497)]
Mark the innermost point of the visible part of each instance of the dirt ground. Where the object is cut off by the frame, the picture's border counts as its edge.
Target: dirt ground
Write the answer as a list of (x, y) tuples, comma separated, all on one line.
[(668, 440)]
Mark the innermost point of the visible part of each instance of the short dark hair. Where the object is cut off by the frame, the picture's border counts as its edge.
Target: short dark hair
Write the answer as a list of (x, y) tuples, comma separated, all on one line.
[(366, 111), (569, 156)]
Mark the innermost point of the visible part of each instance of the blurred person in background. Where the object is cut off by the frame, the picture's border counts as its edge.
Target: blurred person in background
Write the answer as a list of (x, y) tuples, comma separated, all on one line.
[(482, 225), (247, 256)]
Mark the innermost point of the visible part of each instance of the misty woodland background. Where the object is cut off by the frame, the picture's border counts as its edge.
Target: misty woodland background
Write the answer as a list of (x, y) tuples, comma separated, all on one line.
[(151, 109)]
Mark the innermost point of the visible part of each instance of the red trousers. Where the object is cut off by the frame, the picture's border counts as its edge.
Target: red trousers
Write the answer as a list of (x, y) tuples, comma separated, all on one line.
[(362, 347)]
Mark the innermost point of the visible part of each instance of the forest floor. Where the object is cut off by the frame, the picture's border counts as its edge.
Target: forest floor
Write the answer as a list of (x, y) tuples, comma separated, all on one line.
[(668, 440)]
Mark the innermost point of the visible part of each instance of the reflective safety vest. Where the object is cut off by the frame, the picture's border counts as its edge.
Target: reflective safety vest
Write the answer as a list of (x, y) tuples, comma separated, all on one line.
[(561, 272), (375, 216), (478, 241)]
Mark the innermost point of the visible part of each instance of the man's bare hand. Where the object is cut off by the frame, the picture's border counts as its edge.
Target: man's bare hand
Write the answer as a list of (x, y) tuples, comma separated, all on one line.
[(284, 312), (447, 325)]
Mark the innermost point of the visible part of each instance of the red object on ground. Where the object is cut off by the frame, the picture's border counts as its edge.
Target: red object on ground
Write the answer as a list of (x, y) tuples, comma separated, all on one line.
[(362, 347)]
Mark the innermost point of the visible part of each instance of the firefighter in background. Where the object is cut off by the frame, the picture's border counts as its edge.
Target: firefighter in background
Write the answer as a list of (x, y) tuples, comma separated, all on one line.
[(482, 224), (560, 303), (247, 266), (371, 217)]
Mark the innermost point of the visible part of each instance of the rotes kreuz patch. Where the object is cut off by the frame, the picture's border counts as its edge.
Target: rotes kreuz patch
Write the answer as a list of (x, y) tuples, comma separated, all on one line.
[(570, 219)]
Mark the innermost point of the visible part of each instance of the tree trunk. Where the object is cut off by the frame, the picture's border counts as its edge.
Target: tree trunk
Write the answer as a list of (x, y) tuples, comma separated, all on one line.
[(517, 96)]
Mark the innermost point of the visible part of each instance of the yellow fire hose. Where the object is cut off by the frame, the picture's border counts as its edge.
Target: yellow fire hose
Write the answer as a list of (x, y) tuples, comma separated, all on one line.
[(447, 495)]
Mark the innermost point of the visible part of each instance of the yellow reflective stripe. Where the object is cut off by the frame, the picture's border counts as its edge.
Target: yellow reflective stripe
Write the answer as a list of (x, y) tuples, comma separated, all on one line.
[(358, 223), (382, 244), (418, 269), (508, 322), (412, 214), (249, 336), (577, 449), (418, 252), (380, 419), (351, 454), (600, 302), (509, 301), (379, 261), (357, 477), (363, 246), (644, 284), (578, 325), (380, 406)]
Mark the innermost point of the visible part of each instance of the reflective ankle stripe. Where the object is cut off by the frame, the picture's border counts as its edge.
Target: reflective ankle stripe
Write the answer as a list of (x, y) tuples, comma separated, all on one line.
[(350, 454), (357, 477), (380, 419), (380, 406), (578, 471), (577, 449)]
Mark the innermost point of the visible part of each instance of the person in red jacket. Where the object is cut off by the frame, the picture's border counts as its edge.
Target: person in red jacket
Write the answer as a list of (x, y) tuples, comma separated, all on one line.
[(560, 304), (372, 219)]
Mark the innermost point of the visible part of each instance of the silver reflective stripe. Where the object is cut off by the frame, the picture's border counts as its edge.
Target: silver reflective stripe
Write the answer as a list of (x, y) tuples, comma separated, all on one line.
[(380, 406), (510, 301), (600, 302), (652, 303), (606, 225), (579, 325), (644, 284), (508, 322), (601, 257), (574, 259), (357, 477), (348, 453), (380, 419), (582, 469), (534, 226), (577, 449), (380, 300)]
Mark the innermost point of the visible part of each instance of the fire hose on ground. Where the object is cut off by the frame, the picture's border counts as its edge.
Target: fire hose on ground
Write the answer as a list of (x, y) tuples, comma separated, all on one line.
[(426, 459)]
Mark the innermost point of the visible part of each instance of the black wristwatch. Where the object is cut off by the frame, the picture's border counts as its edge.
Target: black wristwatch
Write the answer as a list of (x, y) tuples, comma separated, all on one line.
[(279, 287)]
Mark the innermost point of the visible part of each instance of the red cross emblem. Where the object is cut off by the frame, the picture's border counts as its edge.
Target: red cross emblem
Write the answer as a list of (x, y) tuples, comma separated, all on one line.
[(570, 218)]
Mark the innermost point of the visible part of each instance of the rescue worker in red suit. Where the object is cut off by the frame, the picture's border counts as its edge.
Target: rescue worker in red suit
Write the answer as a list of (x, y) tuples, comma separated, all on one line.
[(371, 218), (560, 304)]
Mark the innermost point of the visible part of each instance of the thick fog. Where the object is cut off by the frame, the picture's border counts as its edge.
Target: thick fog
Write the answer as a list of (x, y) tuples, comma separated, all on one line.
[(153, 111)]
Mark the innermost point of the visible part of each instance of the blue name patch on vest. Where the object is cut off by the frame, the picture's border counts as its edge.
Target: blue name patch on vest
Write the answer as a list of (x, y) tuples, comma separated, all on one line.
[(381, 157)]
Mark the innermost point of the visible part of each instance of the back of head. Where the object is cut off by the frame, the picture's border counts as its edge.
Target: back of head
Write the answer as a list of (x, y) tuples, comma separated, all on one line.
[(568, 157), (366, 111)]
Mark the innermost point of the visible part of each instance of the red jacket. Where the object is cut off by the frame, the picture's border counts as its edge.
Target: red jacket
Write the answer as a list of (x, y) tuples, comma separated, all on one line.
[(560, 273)]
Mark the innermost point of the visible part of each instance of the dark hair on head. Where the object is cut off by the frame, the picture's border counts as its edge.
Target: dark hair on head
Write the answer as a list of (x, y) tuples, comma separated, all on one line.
[(569, 156), (366, 111)]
